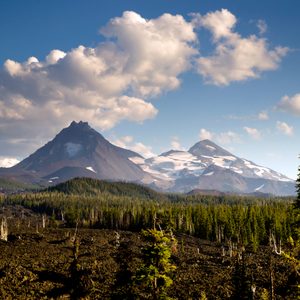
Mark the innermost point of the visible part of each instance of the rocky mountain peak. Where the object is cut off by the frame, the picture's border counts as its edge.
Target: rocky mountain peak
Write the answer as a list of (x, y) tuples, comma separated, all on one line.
[(79, 125), (80, 151), (208, 148)]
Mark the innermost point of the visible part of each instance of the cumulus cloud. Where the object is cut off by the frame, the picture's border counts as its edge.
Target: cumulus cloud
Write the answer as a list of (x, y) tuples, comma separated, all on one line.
[(116, 80), (290, 104), (159, 49), (205, 134), (175, 144), (224, 138), (220, 23), (104, 85), (7, 162), (263, 116), (253, 132), (262, 26), (145, 151), (128, 142), (227, 137), (285, 128), (236, 58)]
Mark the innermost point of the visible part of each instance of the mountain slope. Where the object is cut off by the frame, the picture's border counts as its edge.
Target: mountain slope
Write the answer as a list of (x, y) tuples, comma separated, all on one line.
[(76, 151), (80, 151), (208, 166)]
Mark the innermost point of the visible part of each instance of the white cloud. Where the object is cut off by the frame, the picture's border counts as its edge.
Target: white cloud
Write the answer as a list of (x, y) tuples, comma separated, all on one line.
[(263, 116), (127, 139), (227, 137), (104, 85), (236, 58), (116, 80), (123, 141), (128, 142), (253, 132), (285, 128), (156, 50), (262, 26), (175, 144), (7, 162), (220, 23), (145, 151), (205, 134), (290, 104)]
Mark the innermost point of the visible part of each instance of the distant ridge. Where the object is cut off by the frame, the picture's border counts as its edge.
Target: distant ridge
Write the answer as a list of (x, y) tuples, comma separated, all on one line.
[(218, 193), (95, 187), (208, 167), (81, 151)]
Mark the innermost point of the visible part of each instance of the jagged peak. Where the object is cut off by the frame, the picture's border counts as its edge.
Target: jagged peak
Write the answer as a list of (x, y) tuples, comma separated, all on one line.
[(79, 124)]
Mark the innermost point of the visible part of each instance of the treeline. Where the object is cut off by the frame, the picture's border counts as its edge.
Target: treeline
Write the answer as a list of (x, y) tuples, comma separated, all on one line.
[(211, 218), (11, 186), (95, 187)]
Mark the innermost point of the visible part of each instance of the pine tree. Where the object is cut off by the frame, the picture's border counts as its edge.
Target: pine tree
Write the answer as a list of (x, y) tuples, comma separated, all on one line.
[(297, 203), (294, 254), (241, 282), (154, 274)]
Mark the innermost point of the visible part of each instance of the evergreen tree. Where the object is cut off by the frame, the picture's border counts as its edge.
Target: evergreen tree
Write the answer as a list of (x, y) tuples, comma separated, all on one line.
[(154, 274), (241, 282), (297, 203), (294, 254)]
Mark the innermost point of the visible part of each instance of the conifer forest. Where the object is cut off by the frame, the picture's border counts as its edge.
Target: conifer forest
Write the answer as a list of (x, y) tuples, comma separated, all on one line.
[(91, 239)]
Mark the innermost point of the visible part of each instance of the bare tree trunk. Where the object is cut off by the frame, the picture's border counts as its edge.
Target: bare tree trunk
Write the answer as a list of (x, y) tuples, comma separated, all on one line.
[(272, 292), (4, 230), (43, 221)]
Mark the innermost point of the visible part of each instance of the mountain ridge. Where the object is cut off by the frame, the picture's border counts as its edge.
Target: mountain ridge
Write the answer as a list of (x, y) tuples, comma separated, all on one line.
[(81, 151), (208, 166)]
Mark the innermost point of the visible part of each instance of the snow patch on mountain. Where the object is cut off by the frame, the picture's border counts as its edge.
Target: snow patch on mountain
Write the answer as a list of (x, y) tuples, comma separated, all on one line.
[(259, 188), (203, 164), (173, 165), (175, 161), (91, 169), (73, 149), (264, 172), (220, 161), (210, 147), (209, 174)]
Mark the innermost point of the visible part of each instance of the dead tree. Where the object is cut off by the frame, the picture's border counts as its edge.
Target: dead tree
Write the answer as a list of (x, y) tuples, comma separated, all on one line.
[(4, 230)]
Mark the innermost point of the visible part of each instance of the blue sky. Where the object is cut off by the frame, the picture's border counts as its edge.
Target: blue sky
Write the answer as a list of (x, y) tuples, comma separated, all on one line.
[(153, 75)]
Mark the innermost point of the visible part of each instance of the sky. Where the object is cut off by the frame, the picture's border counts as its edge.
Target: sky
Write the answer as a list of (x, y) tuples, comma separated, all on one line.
[(153, 75)]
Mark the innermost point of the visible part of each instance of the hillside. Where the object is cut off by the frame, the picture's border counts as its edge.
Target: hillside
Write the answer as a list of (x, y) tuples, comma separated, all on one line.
[(95, 187), (10, 186)]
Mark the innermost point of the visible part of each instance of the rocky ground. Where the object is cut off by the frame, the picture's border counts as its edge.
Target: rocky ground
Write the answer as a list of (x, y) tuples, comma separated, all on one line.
[(46, 263)]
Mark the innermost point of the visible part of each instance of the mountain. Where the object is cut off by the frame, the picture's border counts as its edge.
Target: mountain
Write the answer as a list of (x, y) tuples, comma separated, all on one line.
[(207, 166), (80, 151), (77, 151)]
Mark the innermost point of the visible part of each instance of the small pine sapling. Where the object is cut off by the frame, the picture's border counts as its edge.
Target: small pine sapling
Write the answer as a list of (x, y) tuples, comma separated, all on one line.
[(155, 272)]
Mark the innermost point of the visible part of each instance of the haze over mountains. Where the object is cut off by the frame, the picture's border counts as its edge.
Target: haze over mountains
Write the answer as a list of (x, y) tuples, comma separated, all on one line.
[(80, 151)]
